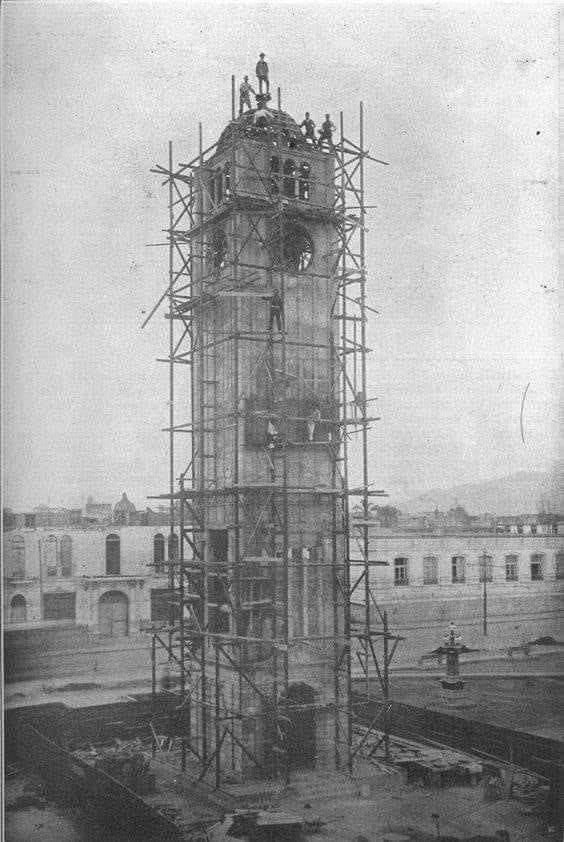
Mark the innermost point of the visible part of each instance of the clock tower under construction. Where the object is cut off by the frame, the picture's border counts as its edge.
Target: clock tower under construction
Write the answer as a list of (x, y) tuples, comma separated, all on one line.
[(267, 312)]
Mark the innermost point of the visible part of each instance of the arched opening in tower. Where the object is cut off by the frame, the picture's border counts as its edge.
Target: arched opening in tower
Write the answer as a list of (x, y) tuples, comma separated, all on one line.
[(299, 727)]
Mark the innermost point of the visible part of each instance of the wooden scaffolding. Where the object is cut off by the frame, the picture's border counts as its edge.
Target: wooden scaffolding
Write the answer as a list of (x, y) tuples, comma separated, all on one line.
[(210, 593)]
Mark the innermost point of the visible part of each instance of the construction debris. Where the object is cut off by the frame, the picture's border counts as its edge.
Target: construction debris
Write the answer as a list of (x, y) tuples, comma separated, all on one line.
[(433, 766), (126, 763), (258, 826)]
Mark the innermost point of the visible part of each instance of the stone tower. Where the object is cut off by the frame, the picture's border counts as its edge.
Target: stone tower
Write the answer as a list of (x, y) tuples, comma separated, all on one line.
[(263, 262)]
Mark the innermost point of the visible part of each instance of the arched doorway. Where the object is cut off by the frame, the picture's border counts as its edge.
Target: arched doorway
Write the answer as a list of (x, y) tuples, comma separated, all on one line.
[(113, 614), (299, 731), (18, 609)]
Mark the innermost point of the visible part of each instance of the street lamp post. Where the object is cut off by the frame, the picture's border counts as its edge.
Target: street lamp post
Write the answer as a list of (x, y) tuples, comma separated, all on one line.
[(452, 682), (485, 566), (485, 608)]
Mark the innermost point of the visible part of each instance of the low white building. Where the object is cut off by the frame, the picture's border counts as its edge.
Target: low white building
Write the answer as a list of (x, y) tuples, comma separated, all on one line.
[(425, 581), (109, 579)]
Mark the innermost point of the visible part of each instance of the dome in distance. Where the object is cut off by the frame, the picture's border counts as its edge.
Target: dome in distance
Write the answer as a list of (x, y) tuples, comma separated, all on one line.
[(124, 506)]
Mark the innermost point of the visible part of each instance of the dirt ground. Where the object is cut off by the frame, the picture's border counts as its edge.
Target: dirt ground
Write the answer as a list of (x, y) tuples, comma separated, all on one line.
[(390, 806), (398, 807), (526, 694)]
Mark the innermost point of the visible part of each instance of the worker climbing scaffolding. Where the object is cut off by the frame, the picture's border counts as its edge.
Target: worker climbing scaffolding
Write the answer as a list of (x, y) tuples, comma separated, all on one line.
[(272, 440), (312, 423), (276, 312)]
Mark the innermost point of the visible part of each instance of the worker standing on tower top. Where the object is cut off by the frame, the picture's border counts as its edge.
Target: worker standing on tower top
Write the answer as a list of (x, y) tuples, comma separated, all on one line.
[(326, 131), (262, 74), (309, 128), (244, 98)]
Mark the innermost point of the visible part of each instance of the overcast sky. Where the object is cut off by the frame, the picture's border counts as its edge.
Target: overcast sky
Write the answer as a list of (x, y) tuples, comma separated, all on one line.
[(462, 246)]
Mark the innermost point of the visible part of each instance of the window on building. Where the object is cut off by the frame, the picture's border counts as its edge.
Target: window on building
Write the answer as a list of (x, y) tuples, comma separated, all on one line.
[(18, 609), (49, 548), (218, 186), (16, 558), (59, 606), (227, 179), (211, 188), (164, 606), (430, 570), (511, 568), (400, 571), (218, 544), (458, 567), (303, 183), (274, 174), (113, 555), (537, 567), (66, 555), (29, 521), (289, 182), (159, 553), (485, 567), (173, 546), (256, 607), (559, 565)]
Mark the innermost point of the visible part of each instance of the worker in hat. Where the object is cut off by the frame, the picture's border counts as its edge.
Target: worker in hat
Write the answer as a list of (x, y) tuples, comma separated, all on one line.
[(276, 313), (309, 128), (326, 131), (244, 90), (262, 74)]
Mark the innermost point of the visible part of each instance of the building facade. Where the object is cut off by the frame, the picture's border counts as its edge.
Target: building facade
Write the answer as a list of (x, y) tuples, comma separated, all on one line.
[(110, 579), (425, 581)]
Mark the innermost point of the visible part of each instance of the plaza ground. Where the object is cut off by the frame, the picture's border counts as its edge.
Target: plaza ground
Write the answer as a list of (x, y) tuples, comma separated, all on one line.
[(391, 806)]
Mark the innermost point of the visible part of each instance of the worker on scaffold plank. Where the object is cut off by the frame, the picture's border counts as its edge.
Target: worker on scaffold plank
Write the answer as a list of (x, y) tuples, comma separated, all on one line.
[(309, 129), (326, 132)]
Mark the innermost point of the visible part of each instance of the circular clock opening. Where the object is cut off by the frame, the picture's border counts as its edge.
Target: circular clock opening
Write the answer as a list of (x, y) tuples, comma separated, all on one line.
[(292, 248)]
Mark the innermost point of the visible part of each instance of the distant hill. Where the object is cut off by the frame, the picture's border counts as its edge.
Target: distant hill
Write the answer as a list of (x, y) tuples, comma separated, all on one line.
[(519, 493)]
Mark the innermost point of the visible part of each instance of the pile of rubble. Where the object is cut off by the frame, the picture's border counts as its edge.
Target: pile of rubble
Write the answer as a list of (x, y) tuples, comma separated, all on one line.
[(124, 761), (437, 767)]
